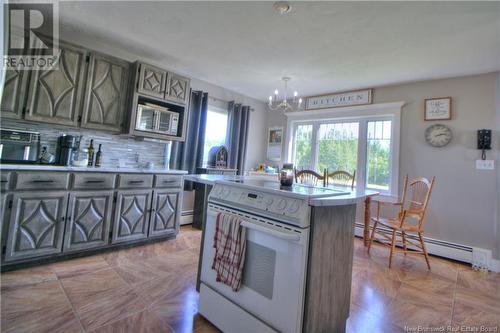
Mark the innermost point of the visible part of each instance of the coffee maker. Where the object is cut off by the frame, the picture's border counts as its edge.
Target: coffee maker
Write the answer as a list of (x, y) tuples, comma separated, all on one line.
[(66, 145)]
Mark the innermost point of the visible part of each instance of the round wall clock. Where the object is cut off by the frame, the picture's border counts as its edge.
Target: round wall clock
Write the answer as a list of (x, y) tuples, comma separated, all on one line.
[(438, 135)]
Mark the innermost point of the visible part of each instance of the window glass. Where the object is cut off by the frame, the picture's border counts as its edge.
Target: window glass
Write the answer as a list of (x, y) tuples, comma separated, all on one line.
[(338, 147), (215, 130), (378, 159), (303, 145)]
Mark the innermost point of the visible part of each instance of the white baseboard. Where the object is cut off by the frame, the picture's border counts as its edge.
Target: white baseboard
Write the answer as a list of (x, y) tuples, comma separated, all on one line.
[(186, 217), (450, 250)]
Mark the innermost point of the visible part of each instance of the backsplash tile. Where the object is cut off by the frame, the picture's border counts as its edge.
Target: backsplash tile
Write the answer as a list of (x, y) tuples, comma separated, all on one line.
[(114, 146)]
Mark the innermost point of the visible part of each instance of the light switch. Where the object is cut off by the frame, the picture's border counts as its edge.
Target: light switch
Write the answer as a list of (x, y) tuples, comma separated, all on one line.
[(485, 164)]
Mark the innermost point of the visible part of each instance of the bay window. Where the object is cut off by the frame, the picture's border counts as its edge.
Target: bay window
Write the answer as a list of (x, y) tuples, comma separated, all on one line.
[(366, 142)]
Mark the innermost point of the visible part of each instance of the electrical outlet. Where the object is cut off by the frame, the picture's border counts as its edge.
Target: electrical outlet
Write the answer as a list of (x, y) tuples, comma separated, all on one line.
[(485, 164)]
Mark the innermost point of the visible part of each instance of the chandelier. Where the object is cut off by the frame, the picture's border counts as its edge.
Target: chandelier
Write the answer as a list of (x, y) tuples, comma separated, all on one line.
[(275, 103)]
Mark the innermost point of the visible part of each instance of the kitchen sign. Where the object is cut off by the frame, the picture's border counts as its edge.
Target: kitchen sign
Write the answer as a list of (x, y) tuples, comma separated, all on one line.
[(438, 108), (335, 100)]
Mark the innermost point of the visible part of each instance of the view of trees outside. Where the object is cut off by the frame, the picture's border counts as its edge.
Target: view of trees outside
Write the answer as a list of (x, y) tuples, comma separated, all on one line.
[(215, 131), (378, 168), (338, 147), (303, 145)]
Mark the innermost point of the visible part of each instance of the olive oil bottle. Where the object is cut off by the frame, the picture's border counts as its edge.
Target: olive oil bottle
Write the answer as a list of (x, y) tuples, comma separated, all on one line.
[(98, 157), (91, 153)]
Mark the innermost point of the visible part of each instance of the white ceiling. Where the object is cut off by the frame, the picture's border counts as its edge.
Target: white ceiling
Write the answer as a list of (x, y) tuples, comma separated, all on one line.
[(324, 46)]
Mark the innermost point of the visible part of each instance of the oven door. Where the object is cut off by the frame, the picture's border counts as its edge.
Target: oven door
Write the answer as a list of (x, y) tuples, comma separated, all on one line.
[(274, 272)]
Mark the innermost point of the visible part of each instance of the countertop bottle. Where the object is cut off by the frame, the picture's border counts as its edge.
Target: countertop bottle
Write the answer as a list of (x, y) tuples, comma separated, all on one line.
[(91, 153), (98, 157)]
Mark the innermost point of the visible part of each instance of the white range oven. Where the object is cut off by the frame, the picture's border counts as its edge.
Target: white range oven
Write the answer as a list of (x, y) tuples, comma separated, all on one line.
[(271, 297)]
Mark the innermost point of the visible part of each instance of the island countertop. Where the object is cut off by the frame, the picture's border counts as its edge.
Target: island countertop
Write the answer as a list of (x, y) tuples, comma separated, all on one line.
[(350, 197), (42, 167)]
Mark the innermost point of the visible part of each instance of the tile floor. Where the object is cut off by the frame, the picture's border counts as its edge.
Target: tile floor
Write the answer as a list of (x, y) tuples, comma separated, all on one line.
[(151, 288)]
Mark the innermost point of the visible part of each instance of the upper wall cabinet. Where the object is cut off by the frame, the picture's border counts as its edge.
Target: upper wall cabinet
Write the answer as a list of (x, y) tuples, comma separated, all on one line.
[(13, 93), (152, 81), (162, 84), (105, 95), (55, 95), (178, 87)]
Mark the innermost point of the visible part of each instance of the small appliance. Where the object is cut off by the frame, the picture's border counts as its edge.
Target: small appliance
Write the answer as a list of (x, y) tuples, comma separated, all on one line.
[(66, 145), (156, 119), (19, 146)]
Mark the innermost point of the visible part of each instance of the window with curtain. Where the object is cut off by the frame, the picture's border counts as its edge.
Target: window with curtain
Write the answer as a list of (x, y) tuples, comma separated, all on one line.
[(215, 131), (363, 145)]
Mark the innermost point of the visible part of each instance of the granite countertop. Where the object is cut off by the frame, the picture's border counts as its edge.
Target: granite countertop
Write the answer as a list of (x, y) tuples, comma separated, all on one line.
[(41, 167), (351, 196)]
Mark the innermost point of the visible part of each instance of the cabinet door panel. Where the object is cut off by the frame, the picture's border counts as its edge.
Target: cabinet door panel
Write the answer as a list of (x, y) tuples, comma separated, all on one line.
[(89, 218), (55, 94), (14, 90), (132, 215), (165, 213), (152, 81), (106, 93), (36, 224), (177, 88)]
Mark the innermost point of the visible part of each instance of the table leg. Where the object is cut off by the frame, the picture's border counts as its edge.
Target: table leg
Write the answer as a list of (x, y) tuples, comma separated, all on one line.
[(366, 230)]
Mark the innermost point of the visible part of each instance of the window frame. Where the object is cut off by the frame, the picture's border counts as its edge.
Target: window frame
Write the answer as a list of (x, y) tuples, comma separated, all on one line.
[(362, 115)]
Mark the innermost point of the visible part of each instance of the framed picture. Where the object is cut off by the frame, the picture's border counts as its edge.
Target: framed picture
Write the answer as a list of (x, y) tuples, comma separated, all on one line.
[(438, 108), (274, 143)]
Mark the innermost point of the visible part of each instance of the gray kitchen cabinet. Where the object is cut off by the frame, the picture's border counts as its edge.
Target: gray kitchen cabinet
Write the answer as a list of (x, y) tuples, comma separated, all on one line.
[(132, 212), (164, 213), (106, 93), (55, 94), (88, 220), (36, 224), (177, 88), (14, 90), (152, 81)]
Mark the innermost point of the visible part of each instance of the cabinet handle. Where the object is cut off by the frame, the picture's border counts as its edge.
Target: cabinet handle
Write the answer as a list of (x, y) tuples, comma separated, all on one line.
[(136, 181), (3, 181), (94, 181), (43, 181), (169, 181)]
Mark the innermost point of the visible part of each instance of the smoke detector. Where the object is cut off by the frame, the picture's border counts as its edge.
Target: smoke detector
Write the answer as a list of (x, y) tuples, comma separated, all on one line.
[(282, 7)]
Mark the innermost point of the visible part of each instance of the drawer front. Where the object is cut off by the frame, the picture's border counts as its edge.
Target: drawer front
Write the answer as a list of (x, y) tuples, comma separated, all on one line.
[(5, 181), (135, 181), (169, 181), (99, 181), (42, 180)]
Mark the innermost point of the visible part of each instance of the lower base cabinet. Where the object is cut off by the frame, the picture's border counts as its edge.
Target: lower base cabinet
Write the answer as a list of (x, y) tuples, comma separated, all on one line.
[(163, 213), (88, 220), (131, 215), (36, 225)]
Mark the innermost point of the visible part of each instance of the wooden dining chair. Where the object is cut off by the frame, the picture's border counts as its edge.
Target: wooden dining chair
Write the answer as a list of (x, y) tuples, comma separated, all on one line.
[(341, 178), (309, 177), (408, 225)]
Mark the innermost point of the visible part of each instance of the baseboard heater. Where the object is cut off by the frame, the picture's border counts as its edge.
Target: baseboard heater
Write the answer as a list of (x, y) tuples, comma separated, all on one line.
[(435, 247), (186, 217)]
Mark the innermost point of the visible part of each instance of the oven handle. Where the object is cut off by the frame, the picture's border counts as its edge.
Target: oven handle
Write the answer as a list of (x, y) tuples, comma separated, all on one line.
[(268, 231)]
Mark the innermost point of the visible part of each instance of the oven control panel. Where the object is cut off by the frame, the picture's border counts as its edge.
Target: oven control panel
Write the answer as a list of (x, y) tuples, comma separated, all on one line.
[(295, 211)]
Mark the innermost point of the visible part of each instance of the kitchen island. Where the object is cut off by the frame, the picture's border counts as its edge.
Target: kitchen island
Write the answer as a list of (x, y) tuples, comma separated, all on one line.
[(55, 212), (298, 266)]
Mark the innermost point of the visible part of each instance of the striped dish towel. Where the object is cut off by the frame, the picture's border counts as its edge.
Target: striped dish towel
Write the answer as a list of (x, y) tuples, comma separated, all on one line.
[(230, 245)]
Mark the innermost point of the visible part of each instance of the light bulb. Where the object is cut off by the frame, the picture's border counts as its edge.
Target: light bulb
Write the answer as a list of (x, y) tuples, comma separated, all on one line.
[(300, 100), (276, 92), (270, 98), (295, 94)]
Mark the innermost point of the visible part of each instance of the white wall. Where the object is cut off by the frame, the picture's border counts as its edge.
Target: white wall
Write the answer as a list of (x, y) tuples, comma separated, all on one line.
[(497, 147), (464, 203)]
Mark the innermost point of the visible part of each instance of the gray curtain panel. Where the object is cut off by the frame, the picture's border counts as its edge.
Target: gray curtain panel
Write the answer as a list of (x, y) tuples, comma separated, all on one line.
[(239, 116), (188, 155)]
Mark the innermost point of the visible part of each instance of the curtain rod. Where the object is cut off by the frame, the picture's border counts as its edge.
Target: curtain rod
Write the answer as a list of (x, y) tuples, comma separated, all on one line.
[(224, 101)]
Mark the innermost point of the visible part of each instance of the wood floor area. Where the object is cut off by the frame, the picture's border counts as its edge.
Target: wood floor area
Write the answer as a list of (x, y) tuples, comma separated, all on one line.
[(151, 288)]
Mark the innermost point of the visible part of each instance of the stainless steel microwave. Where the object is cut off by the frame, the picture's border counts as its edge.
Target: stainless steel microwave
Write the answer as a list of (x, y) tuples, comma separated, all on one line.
[(156, 119)]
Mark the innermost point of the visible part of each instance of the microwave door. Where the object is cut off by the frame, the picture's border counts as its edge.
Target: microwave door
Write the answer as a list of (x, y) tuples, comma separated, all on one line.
[(167, 123), (145, 119)]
